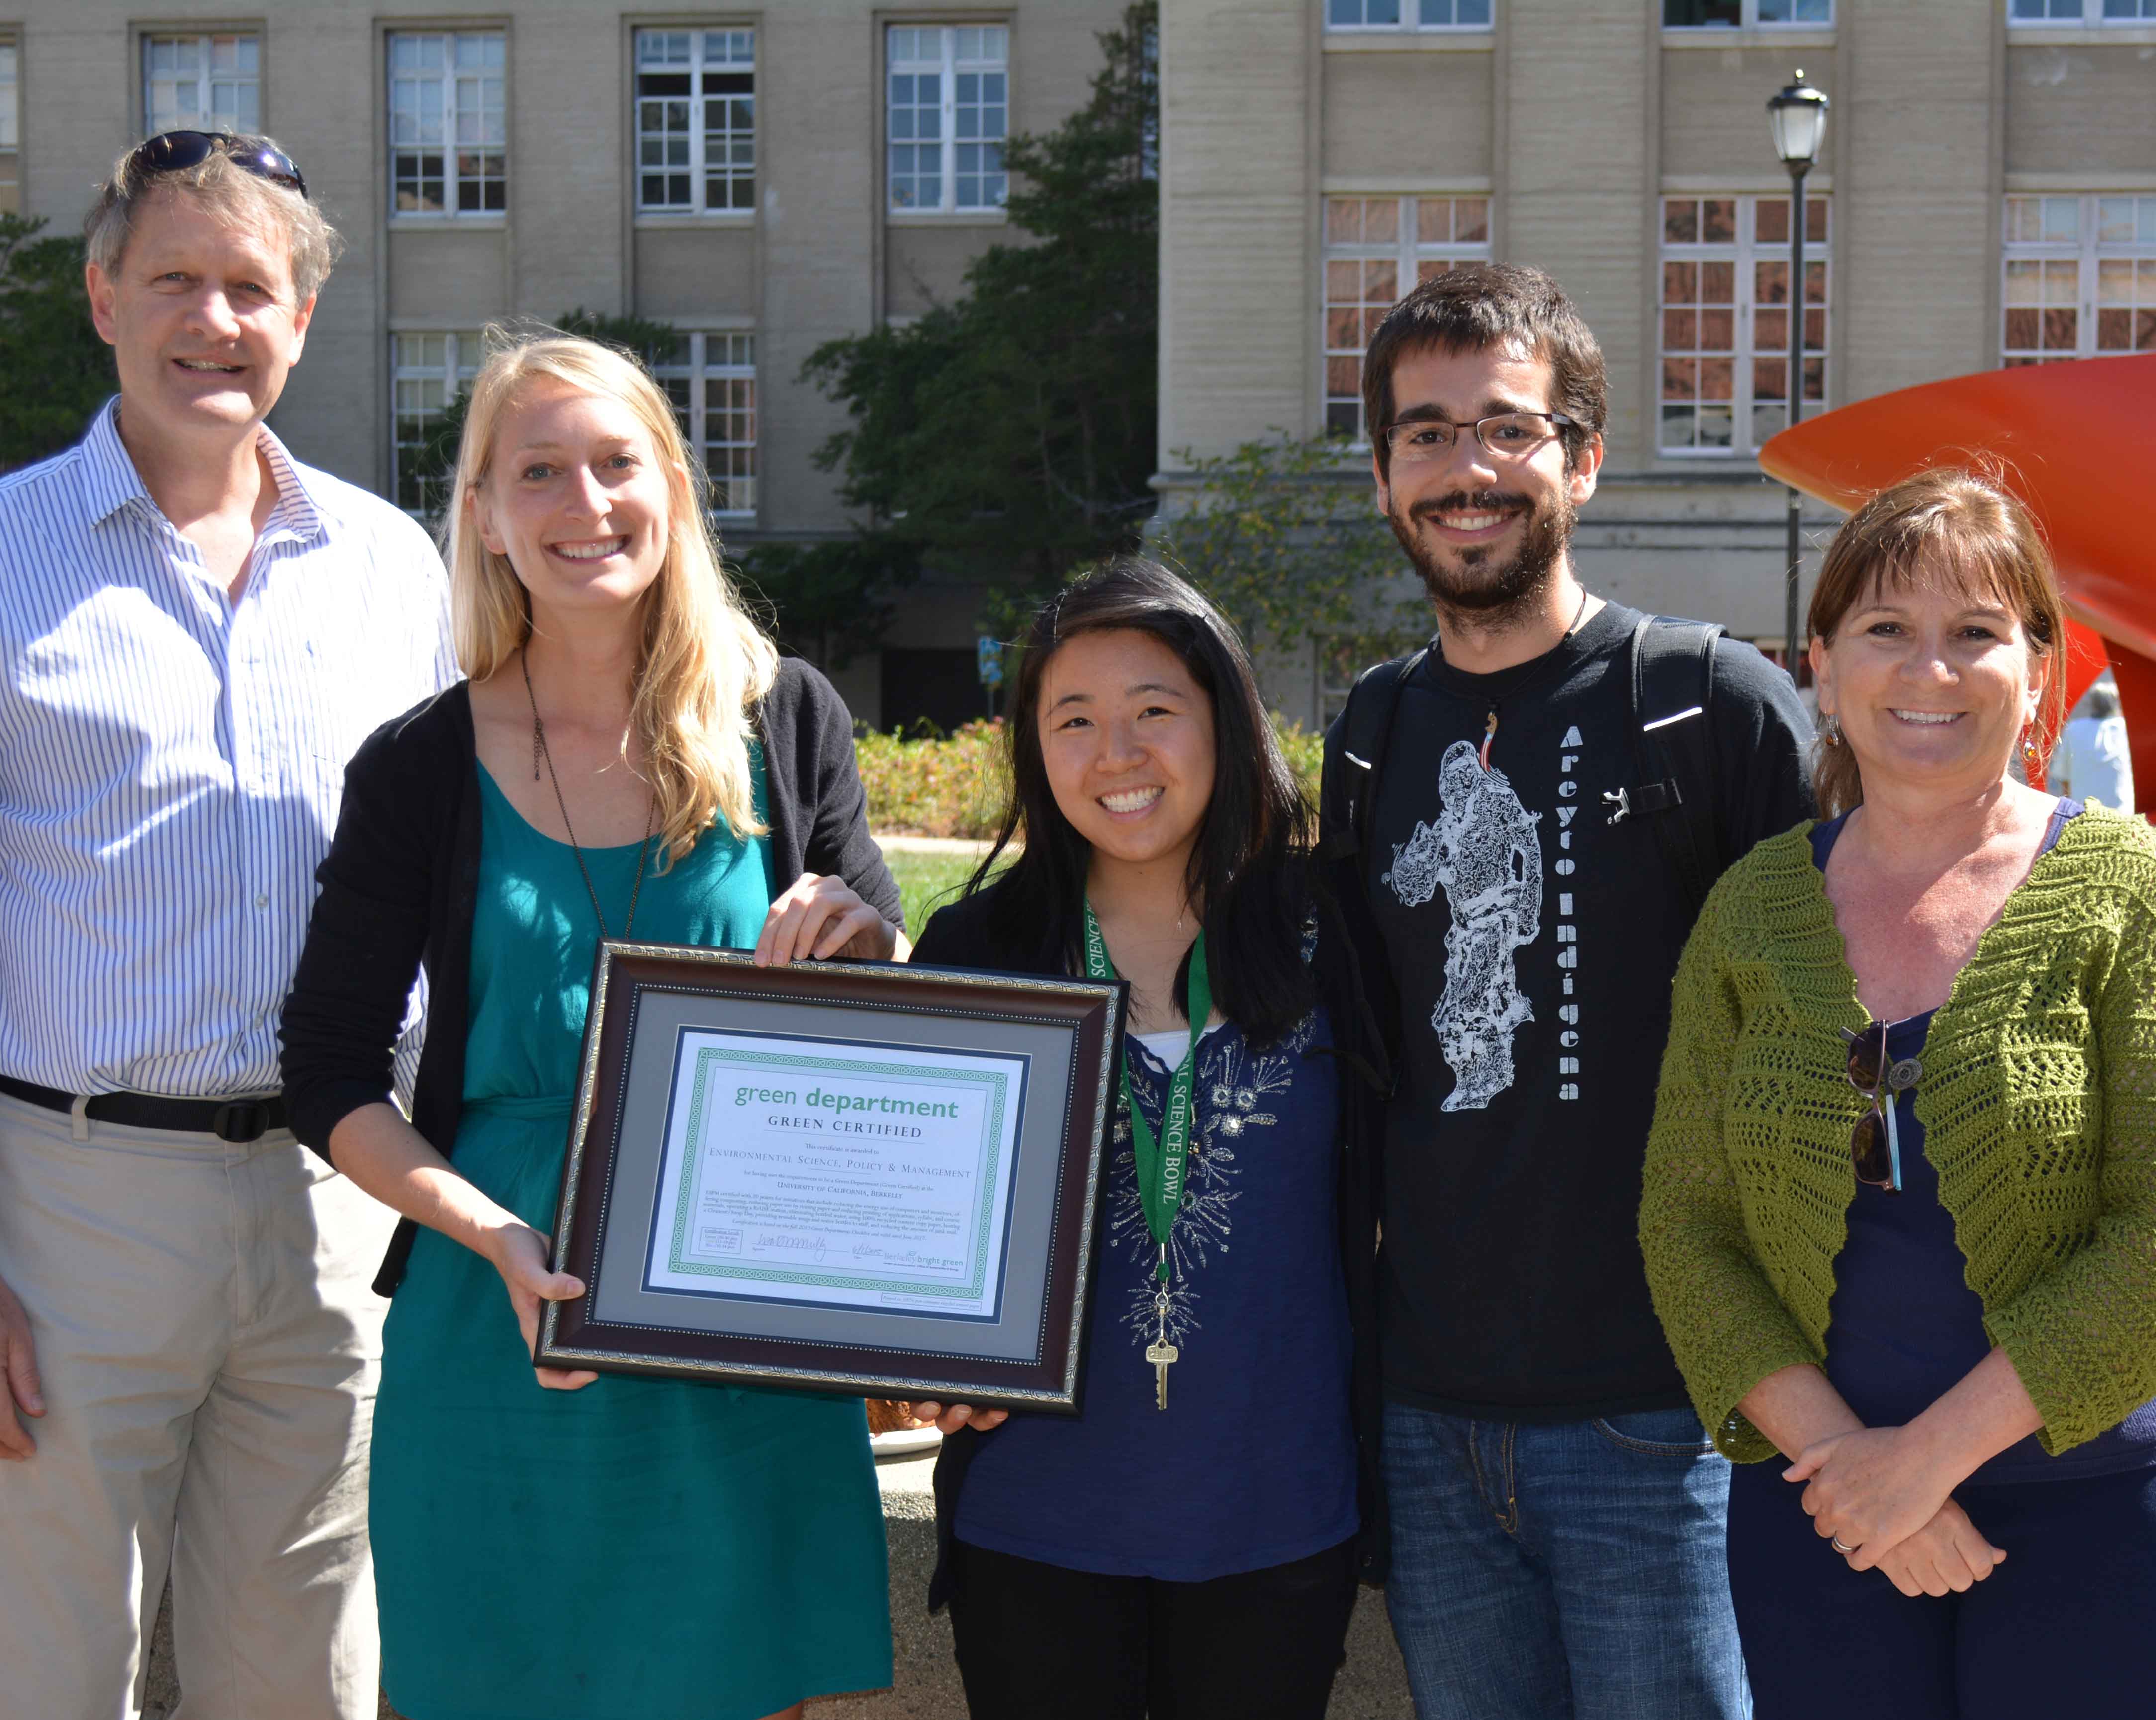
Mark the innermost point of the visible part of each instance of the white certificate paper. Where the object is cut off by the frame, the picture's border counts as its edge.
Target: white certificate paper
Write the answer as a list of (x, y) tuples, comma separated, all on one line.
[(848, 1175)]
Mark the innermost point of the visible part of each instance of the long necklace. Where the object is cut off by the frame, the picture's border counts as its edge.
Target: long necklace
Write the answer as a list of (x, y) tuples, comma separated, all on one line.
[(1536, 670), (539, 750), (1160, 1160)]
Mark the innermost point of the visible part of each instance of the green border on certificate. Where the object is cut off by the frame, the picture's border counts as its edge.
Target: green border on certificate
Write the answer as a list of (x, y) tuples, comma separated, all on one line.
[(993, 1085)]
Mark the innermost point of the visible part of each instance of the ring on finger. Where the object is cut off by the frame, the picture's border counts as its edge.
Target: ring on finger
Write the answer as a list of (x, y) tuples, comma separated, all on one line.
[(1836, 1544)]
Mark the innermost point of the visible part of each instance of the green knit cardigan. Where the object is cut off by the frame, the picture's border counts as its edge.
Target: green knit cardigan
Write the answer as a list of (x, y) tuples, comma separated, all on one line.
[(2038, 1100)]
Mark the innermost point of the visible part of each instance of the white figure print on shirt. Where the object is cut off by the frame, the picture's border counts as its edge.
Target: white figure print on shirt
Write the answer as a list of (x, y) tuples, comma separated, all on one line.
[(1485, 851)]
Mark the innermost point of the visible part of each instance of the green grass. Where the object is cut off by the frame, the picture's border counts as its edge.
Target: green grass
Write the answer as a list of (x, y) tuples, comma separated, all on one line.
[(926, 882)]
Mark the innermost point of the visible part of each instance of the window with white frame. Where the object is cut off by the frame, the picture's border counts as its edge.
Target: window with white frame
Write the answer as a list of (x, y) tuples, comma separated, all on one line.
[(2081, 278), (427, 372), (1408, 14), (448, 122), (1375, 249), (710, 378), (10, 127), (202, 84), (10, 133), (1745, 14), (1725, 312), (696, 120), (947, 112), (2081, 11)]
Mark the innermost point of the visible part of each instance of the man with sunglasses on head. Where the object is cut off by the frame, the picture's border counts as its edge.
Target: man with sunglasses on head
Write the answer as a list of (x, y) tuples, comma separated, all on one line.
[(1521, 821), (196, 632)]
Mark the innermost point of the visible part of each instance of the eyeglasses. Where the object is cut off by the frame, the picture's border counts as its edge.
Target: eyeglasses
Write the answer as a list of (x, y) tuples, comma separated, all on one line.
[(175, 151), (1505, 436), (1875, 1144)]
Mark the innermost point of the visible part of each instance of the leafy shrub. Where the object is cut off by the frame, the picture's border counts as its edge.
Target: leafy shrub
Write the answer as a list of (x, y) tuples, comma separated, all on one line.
[(1280, 534), (955, 785), (938, 786), (1304, 748)]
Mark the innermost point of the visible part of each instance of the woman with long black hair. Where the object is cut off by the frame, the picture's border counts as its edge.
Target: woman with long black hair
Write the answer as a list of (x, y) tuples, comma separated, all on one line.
[(1187, 1545)]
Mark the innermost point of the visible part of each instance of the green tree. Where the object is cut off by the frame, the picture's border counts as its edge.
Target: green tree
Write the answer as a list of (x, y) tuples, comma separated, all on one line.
[(648, 341), (1009, 434), (1285, 537), (59, 370), (827, 602)]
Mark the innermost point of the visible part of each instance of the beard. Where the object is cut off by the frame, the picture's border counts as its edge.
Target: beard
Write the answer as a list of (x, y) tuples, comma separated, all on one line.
[(1468, 581)]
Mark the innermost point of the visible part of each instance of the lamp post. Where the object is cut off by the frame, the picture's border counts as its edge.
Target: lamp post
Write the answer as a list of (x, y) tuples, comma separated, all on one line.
[(1797, 117)]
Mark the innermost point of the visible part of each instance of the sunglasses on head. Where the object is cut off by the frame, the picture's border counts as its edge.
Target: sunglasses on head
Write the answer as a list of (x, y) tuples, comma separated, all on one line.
[(1875, 1144), (175, 151)]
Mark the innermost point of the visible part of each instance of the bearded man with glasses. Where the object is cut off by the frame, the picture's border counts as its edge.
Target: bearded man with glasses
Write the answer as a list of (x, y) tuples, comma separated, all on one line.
[(1521, 821), (196, 632)]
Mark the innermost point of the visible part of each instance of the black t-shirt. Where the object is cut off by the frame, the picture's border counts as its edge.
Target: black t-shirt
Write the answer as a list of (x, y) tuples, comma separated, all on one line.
[(1532, 944)]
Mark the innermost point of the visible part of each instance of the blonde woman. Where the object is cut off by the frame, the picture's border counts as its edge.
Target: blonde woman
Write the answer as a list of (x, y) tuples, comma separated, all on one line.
[(629, 755)]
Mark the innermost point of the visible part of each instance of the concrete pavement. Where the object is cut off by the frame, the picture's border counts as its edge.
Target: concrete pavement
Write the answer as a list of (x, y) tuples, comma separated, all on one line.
[(924, 1684)]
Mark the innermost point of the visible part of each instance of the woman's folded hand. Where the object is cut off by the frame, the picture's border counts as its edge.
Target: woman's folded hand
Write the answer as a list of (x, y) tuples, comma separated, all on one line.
[(1949, 1552), (1869, 1490)]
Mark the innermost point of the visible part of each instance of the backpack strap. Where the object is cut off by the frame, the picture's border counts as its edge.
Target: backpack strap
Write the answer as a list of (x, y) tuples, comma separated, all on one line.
[(1366, 733), (1672, 675)]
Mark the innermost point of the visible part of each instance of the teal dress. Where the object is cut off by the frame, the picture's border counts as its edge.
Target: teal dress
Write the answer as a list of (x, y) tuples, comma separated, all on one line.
[(640, 1547)]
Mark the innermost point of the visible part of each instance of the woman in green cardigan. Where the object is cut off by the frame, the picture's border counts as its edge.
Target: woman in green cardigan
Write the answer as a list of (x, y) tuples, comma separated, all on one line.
[(1900, 1205)]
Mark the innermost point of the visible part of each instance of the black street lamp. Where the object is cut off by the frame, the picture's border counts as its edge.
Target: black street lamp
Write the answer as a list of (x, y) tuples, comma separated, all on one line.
[(1797, 116)]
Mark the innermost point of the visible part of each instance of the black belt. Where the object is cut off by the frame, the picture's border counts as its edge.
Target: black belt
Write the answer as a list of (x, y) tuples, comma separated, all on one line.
[(239, 1121)]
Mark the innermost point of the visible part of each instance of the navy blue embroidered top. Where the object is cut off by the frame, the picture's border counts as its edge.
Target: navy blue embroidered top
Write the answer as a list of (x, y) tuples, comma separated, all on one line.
[(1253, 1462)]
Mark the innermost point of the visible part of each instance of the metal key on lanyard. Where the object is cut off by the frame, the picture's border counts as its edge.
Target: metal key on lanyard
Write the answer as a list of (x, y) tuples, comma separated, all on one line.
[(1160, 1160), (1160, 1352)]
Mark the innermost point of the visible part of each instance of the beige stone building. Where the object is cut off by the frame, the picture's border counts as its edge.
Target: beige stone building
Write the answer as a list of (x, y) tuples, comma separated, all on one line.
[(763, 178), (1987, 195)]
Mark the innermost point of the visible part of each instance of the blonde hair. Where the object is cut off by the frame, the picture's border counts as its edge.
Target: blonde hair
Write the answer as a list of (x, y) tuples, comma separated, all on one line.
[(1945, 525), (702, 665), (220, 188)]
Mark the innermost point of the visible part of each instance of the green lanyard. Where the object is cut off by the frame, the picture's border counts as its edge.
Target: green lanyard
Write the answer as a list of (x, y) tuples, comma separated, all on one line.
[(1161, 1163)]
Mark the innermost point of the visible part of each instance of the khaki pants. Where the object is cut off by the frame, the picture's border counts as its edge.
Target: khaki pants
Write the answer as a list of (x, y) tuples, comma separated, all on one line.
[(209, 1348)]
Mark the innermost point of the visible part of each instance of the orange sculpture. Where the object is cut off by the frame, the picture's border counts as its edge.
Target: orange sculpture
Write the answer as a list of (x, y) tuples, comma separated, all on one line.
[(2077, 442)]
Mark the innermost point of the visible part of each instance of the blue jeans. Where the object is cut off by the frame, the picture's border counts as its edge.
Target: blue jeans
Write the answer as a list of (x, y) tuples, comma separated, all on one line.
[(1561, 1571)]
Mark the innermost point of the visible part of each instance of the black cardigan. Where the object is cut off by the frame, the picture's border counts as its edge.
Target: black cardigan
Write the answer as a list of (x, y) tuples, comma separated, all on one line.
[(401, 883), (959, 936)]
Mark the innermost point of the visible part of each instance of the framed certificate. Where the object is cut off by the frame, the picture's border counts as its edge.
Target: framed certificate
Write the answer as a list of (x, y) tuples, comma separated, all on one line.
[(869, 1178)]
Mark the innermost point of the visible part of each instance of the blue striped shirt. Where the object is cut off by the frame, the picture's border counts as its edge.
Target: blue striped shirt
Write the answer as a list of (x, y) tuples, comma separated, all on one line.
[(171, 761)]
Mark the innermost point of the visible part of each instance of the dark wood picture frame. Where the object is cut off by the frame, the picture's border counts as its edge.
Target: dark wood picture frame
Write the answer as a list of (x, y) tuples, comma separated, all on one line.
[(1085, 1019)]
